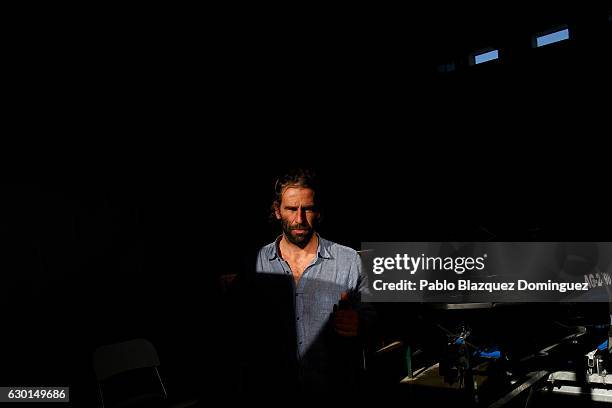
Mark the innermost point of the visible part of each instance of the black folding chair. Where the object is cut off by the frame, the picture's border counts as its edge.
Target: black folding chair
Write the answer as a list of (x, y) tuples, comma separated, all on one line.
[(128, 376)]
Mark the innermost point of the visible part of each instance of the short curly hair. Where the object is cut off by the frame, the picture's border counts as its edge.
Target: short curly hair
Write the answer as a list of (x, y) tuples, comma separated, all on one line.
[(298, 177)]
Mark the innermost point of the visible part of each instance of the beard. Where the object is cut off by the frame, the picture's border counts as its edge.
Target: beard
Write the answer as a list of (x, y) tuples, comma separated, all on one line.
[(301, 240)]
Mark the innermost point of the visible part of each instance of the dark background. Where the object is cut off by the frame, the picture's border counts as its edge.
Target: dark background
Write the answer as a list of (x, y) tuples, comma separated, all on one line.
[(162, 132)]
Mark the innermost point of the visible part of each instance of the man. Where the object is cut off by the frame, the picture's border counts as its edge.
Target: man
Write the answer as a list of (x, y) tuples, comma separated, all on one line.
[(325, 279)]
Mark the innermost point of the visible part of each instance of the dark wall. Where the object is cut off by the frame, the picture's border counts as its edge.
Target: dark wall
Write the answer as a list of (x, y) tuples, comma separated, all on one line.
[(170, 184)]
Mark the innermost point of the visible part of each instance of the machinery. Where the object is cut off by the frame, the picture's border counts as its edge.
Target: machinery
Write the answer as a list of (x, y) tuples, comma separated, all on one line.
[(514, 355)]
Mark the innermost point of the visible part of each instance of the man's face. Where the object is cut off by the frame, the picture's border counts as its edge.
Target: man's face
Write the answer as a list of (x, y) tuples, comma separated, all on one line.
[(297, 215)]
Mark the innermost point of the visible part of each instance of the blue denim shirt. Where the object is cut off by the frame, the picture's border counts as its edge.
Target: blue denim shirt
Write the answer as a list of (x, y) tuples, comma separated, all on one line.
[(334, 270)]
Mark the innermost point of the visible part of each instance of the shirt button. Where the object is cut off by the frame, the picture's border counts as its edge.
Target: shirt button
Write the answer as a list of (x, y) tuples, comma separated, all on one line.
[(298, 318)]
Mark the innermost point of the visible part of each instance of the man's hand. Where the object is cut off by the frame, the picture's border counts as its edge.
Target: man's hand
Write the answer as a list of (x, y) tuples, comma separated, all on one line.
[(344, 319)]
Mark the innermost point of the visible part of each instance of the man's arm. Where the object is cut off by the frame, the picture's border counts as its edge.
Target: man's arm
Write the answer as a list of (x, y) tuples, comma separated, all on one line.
[(366, 311), (353, 317)]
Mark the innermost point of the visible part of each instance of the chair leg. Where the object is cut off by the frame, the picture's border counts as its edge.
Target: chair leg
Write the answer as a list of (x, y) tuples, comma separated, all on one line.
[(101, 397), (161, 382)]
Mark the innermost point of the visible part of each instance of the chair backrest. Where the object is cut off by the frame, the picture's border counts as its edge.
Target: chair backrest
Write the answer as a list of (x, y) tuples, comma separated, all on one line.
[(127, 372), (116, 358)]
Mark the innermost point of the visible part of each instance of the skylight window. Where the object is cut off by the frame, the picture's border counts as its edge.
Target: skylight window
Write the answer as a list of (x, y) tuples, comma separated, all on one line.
[(551, 38), (486, 57), (449, 67)]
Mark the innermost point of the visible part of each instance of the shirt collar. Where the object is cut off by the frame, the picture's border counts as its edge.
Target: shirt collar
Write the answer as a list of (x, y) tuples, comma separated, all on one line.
[(323, 251)]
